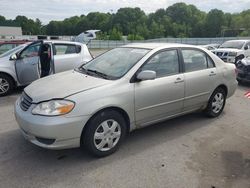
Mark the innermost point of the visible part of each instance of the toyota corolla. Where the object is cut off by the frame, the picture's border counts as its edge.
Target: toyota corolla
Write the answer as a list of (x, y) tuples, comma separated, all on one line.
[(130, 87)]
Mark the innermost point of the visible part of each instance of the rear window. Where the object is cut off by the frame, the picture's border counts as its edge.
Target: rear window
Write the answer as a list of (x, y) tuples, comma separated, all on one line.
[(196, 60)]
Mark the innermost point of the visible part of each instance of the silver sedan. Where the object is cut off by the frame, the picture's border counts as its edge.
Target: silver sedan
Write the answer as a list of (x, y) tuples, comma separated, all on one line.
[(126, 88)]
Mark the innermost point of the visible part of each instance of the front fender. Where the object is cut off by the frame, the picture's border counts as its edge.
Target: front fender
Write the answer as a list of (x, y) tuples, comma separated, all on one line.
[(92, 101), (9, 72)]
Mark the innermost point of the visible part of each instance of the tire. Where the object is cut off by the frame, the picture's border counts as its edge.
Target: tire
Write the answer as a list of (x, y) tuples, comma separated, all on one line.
[(105, 130), (6, 85), (216, 103)]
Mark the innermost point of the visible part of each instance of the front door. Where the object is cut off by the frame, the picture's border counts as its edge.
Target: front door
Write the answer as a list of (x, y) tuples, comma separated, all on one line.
[(27, 63), (163, 97)]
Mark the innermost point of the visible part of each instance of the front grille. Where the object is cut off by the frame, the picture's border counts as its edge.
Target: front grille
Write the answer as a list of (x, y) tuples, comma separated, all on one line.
[(26, 102), (219, 54)]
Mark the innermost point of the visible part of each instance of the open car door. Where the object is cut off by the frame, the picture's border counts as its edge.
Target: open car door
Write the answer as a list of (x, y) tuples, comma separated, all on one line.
[(27, 63)]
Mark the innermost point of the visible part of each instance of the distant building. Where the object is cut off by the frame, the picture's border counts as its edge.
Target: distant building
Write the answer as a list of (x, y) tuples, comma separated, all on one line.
[(10, 31)]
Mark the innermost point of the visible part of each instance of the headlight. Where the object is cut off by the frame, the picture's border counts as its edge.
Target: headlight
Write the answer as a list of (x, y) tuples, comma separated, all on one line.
[(232, 53), (53, 108)]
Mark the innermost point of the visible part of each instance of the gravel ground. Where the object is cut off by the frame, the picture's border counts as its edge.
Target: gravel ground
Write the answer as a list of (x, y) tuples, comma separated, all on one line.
[(186, 152)]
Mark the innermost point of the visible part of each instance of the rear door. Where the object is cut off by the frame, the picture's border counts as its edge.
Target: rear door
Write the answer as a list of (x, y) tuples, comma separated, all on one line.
[(66, 56), (27, 64), (162, 97), (200, 78)]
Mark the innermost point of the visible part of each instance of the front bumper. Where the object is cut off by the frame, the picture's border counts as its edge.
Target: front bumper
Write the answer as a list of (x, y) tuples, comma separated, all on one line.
[(61, 132), (228, 59)]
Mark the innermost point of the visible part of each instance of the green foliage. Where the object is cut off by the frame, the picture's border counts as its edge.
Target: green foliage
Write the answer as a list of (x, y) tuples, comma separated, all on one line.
[(135, 37), (245, 33), (115, 34), (178, 20)]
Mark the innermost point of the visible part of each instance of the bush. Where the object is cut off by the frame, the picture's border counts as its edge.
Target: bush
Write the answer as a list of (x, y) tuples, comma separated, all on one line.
[(135, 37), (115, 35)]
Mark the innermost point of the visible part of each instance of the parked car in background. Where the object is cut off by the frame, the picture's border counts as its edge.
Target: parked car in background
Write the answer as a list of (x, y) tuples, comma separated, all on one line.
[(8, 45), (121, 90), (40, 59), (210, 46), (243, 70), (233, 50)]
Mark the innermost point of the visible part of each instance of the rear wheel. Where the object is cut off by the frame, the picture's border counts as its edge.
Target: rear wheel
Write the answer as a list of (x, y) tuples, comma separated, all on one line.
[(6, 85), (104, 133), (216, 103)]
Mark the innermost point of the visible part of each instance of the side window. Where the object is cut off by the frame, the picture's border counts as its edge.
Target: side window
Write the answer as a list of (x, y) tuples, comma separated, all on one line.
[(196, 60), (31, 51), (61, 49), (78, 49), (164, 63)]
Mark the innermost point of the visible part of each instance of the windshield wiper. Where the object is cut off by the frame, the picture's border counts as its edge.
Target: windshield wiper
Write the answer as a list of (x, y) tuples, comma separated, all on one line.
[(80, 69), (95, 72), (100, 74)]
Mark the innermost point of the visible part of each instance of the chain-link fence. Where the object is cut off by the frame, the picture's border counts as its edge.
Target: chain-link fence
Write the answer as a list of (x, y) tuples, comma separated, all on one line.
[(106, 44)]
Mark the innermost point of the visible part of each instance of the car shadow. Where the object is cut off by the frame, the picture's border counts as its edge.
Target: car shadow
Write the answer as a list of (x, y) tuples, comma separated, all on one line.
[(17, 154), (244, 85)]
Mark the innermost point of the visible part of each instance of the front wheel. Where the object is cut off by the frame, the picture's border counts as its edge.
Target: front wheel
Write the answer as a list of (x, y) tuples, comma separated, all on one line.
[(216, 103), (6, 85), (104, 133)]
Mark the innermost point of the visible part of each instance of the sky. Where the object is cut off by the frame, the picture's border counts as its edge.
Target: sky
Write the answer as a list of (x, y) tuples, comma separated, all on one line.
[(47, 10)]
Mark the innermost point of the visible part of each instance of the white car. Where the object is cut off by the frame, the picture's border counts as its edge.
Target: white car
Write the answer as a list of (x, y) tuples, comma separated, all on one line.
[(233, 50), (25, 64), (210, 46)]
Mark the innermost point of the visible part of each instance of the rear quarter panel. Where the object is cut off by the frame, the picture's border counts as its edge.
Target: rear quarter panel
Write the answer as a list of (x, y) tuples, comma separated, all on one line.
[(226, 74)]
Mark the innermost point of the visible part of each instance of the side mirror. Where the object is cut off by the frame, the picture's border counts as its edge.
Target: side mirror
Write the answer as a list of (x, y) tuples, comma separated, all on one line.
[(13, 57), (146, 75), (246, 48)]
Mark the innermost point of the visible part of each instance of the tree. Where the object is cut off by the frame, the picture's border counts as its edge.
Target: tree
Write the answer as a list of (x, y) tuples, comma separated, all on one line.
[(214, 22), (127, 19), (177, 20), (115, 34)]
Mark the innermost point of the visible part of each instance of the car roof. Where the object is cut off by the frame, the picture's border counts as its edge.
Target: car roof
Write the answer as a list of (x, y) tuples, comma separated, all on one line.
[(63, 42), (158, 45), (14, 42), (238, 40)]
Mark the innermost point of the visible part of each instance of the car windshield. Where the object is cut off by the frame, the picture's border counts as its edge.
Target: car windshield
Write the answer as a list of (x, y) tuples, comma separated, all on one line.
[(114, 63), (10, 52), (233, 44)]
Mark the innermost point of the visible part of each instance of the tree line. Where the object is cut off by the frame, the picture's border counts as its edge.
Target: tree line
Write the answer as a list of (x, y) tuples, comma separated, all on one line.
[(178, 20)]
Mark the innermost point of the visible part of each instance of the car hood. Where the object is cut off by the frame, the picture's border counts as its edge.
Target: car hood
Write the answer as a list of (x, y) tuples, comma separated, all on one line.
[(62, 85), (227, 50), (4, 59)]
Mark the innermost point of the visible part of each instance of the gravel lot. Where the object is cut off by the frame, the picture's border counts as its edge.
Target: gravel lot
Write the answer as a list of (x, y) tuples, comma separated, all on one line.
[(190, 151)]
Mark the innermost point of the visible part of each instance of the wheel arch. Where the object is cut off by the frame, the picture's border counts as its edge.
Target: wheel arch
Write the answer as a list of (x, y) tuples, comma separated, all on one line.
[(9, 75), (224, 87), (115, 108)]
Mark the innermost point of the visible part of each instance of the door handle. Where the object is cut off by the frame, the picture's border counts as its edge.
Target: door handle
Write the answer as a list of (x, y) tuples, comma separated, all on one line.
[(178, 80), (212, 73)]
